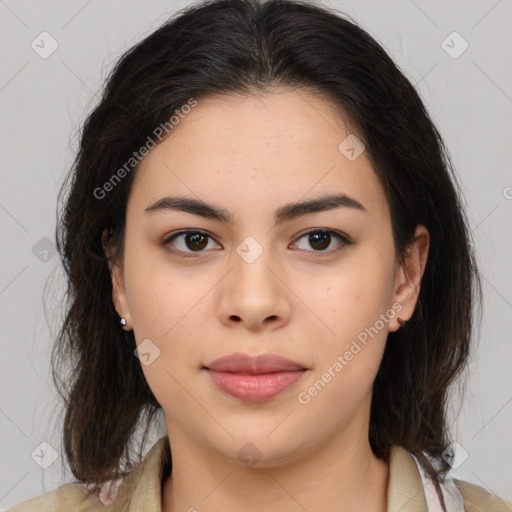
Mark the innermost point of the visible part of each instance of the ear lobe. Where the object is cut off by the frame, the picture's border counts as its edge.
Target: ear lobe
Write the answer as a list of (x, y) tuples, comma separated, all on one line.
[(410, 273)]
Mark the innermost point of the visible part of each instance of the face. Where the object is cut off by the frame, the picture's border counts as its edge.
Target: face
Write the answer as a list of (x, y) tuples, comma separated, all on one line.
[(320, 287)]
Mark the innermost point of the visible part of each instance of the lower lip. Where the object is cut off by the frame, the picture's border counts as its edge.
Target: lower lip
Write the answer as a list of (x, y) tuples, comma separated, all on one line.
[(255, 388)]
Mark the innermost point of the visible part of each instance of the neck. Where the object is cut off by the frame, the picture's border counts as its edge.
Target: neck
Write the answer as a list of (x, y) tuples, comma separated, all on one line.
[(333, 478)]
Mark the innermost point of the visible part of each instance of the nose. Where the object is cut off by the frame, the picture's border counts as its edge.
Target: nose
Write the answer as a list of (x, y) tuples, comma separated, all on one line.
[(254, 293)]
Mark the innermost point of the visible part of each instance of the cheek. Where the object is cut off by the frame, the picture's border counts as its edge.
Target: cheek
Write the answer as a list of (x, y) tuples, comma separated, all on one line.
[(351, 296), (170, 307), (169, 315), (157, 293)]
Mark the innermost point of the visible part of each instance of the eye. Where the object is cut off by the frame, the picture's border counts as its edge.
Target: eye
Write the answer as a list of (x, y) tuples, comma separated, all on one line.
[(195, 240), (320, 239)]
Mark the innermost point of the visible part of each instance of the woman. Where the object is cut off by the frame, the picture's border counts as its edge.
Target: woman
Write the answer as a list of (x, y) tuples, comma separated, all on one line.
[(264, 242)]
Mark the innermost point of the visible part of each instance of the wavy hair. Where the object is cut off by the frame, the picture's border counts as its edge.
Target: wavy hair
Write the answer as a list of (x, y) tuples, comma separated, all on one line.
[(245, 47)]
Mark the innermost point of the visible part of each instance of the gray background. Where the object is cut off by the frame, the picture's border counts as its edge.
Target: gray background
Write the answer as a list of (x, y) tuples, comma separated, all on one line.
[(43, 101)]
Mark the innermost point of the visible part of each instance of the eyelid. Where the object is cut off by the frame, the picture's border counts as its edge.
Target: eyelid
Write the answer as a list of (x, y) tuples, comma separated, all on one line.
[(169, 238), (342, 237)]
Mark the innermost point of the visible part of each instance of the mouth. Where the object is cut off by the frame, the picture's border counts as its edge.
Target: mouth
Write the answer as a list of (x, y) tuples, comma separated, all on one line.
[(254, 379)]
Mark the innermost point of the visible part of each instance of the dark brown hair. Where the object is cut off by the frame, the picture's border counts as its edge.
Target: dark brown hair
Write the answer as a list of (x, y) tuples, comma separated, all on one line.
[(247, 46)]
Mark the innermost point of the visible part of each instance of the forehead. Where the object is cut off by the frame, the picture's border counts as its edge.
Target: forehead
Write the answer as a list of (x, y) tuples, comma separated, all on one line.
[(283, 118), (257, 148)]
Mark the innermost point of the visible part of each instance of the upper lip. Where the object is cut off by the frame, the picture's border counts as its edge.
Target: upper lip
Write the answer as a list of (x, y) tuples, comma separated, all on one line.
[(244, 363)]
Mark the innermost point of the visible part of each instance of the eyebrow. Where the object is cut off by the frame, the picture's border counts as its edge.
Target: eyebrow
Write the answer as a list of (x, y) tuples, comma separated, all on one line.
[(285, 213)]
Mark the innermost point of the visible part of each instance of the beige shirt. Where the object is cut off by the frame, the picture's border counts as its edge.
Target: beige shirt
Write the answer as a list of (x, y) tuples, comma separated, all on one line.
[(141, 490)]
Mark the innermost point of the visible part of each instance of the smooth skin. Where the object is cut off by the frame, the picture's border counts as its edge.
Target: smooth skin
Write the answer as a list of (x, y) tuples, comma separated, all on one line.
[(250, 155)]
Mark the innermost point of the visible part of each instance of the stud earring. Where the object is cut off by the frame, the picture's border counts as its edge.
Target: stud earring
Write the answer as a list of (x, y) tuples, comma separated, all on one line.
[(401, 321), (122, 321)]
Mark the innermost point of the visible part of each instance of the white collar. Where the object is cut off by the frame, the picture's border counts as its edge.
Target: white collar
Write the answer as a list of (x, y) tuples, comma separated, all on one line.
[(452, 496)]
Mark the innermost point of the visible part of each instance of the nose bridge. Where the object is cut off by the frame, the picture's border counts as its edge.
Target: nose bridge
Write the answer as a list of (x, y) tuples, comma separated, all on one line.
[(253, 293), (252, 260)]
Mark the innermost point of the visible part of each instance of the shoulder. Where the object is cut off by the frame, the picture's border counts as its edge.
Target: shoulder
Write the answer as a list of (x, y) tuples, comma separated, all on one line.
[(478, 499), (140, 488), (66, 498)]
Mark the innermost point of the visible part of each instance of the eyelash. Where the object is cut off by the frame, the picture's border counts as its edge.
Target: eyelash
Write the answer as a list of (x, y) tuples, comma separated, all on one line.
[(340, 236)]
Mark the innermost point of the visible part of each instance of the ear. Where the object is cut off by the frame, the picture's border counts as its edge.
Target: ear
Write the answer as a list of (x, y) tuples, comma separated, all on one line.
[(409, 274), (118, 285)]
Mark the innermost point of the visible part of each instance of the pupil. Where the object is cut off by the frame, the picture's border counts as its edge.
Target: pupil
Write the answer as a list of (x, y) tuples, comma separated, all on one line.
[(196, 238), (314, 239)]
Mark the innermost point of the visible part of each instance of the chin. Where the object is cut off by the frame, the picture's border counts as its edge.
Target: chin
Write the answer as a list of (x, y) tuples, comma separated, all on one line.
[(260, 447)]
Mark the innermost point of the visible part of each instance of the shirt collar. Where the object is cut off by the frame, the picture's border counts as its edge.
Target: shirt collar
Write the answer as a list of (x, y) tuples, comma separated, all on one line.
[(405, 488), (142, 489)]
